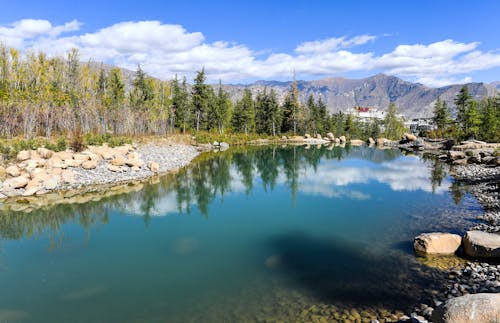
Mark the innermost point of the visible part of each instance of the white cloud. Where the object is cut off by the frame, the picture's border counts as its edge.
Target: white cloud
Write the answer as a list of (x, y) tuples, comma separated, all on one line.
[(332, 44), (164, 50), (26, 32)]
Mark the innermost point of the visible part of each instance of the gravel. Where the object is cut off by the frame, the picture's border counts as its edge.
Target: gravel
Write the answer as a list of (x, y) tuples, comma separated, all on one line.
[(169, 157)]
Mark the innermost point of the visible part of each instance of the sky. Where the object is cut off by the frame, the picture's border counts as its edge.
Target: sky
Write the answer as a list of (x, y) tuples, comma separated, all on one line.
[(435, 43)]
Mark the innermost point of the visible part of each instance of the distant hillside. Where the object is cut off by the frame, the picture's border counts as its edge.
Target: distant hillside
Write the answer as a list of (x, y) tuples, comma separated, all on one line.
[(340, 94)]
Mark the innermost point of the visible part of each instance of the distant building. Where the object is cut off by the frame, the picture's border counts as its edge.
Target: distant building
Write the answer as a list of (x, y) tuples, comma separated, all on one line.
[(366, 114), (419, 125)]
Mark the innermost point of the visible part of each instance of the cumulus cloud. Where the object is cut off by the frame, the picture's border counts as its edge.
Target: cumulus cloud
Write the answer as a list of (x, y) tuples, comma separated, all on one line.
[(332, 44), (164, 50)]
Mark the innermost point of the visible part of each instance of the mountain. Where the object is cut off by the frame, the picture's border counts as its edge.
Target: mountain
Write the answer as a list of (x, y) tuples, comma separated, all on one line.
[(413, 99)]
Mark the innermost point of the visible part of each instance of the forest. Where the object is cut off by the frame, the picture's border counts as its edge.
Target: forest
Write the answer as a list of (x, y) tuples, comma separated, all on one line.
[(51, 97)]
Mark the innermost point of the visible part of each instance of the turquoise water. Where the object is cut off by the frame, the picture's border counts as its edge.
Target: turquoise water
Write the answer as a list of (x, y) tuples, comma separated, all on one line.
[(250, 234)]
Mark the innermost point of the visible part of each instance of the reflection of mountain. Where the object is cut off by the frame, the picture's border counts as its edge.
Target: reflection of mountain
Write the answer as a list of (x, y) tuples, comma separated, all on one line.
[(311, 171)]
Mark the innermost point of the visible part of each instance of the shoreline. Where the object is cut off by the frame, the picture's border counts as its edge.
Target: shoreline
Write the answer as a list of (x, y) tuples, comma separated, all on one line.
[(473, 277)]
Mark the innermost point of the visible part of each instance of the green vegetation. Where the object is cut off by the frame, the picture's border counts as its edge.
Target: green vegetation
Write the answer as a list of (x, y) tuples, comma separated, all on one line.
[(475, 119), (49, 97)]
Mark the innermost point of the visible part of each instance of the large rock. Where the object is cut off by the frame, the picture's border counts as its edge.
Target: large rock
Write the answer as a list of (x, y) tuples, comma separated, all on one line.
[(472, 308), (44, 152), (330, 136), (342, 139), (13, 171), (307, 136), (224, 146), (437, 243), (23, 155), (409, 137), (51, 183), (118, 161), (15, 182), (63, 155), (380, 141), (479, 244), (89, 164), (371, 141), (455, 155), (114, 168), (154, 166), (81, 157)]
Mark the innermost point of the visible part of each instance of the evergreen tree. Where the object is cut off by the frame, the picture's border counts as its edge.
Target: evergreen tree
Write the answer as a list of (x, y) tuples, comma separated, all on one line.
[(463, 101), (441, 115), (490, 119), (243, 119), (201, 100), (181, 104), (220, 110)]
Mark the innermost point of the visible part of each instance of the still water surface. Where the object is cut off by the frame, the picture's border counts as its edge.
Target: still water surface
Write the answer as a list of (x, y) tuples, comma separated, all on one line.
[(256, 233)]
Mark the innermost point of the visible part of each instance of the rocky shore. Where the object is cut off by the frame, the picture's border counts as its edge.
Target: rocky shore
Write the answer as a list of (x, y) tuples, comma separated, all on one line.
[(41, 171)]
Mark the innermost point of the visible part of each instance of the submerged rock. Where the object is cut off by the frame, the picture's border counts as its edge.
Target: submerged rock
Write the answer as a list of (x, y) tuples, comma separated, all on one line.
[(481, 244), (437, 243)]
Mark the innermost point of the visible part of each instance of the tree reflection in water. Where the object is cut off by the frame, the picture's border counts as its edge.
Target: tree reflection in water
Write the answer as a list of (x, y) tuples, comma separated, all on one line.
[(211, 175)]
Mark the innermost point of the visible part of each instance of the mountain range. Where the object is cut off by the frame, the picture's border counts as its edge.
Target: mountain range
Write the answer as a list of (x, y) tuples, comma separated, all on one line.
[(414, 100)]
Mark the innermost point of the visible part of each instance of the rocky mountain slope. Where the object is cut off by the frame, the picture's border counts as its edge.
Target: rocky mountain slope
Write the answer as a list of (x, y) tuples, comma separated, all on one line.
[(340, 94)]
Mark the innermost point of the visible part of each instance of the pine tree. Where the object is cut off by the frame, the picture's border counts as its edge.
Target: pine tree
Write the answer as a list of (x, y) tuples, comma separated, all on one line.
[(243, 119), (441, 115), (463, 101), (200, 99), (181, 104), (221, 109)]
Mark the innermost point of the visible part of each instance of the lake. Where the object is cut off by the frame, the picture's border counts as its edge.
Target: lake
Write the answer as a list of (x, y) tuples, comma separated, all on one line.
[(294, 233)]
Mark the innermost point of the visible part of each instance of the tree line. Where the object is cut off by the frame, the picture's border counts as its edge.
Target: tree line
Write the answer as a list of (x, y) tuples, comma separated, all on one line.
[(474, 119), (52, 96)]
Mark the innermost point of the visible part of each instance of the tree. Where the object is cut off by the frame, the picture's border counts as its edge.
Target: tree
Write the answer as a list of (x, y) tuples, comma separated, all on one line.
[(181, 104), (243, 119), (200, 99), (115, 95), (267, 113), (441, 115), (463, 101), (394, 126), (220, 110), (490, 119)]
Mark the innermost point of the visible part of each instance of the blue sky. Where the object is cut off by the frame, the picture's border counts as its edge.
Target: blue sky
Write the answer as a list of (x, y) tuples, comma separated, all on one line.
[(432, 42)]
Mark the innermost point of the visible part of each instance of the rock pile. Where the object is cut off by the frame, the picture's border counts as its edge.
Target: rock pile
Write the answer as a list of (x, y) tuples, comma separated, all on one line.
[(36, 172)]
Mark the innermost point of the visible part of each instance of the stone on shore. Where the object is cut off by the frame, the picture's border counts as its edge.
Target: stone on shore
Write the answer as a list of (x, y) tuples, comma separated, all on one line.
[(437, 243), (342, 139), (13, 171), (154, 166), (356, 142), (479, 244), (15, 182), (23, 155), (118, 161), (89, 164), (371, 141), (115, 168), (44, 152), (380, 141), (307, 136), (472, 308), (224, 145), (330, 136), (409, 137)]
